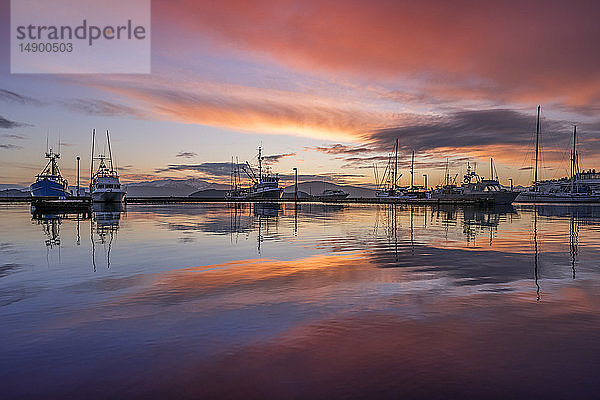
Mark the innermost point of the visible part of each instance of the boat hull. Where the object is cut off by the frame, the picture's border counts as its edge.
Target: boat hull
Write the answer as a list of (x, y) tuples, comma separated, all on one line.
[(265, 194), (108, 197), (48, 188), (533, 197)]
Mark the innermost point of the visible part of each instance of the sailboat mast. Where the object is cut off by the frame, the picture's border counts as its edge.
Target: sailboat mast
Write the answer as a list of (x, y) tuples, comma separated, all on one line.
[(447, 175), (412, 170), (109, 152), (573, 155), (92, 157), (396, 164), (537, 149)]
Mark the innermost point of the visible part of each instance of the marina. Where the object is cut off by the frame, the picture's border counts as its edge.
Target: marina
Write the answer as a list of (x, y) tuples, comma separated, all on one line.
[(298, 200)]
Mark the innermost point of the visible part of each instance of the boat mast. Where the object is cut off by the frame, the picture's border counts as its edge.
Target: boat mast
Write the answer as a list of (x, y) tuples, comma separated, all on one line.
[(395, 164), (537, 147), (447, 174), (412, 169), (92, 160), (259, 164), (573, 155), (109, 152)]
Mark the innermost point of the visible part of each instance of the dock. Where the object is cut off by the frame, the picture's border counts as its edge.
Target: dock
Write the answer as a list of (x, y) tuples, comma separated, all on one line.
[(176, 200), (57, 204), (85, 203)]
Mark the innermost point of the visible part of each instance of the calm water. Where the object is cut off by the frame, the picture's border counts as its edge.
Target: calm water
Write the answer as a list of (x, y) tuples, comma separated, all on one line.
[(204, 301)]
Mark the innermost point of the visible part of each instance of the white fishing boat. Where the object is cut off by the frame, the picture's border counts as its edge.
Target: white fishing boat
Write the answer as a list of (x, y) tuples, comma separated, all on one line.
[(105, 186), (474, 187), (265, 185)]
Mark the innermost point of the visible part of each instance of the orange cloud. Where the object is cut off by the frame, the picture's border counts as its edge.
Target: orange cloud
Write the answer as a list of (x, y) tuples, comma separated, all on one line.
[(523, 51)]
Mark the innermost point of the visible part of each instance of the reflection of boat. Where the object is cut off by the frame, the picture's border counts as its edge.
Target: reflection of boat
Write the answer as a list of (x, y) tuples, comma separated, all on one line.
[(580, 188), (50, 183), (267, 209), (51, 221), (107, 214), (475, 187), (264, 185), (105, 186), (107, 217)]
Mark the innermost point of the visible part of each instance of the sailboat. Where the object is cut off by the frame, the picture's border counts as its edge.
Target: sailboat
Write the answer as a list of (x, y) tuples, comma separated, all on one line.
[(573, 190), (105, 186), (388, 187)]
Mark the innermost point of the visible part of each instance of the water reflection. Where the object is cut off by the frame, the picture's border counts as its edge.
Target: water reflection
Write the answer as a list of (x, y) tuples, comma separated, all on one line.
[(104, 227), (306, 300)]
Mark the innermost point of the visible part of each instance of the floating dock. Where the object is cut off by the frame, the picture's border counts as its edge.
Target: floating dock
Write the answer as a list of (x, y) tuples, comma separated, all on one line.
[(167, 200), (84, 203), (57, 204)]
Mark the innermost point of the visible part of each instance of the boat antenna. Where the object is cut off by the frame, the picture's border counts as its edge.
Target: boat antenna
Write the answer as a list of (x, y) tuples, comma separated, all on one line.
[(92, 157), (109, 152), (537, 147)]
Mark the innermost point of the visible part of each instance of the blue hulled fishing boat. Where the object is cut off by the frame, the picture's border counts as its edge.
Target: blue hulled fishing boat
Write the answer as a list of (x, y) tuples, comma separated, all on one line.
[(50, 183)]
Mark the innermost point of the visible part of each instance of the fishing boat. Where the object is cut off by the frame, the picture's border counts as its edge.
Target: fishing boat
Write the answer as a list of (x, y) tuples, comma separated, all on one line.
[(581, 187), (50, 183), (264, 185), (475, 187), (105, 186)]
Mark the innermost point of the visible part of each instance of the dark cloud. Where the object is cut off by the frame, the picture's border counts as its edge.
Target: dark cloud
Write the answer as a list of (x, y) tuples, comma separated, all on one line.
[(186, 154), (102, 108), (342, 149), (470, 129), (275, 158), (13, 136), (8, 124), (217, 169), (223, 169), (12, 97), (10, 147)]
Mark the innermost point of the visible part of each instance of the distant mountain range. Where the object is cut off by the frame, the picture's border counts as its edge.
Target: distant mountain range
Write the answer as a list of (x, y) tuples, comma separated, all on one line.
[(315, 188), (202, 188), (14, 193), (170, 187)]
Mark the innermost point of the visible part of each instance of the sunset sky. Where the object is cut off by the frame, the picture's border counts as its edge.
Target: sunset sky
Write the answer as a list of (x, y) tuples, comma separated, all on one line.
[(326, 86)]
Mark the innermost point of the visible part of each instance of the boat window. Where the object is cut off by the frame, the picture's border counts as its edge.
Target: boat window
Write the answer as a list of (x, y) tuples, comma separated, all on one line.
[(99, 186)]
